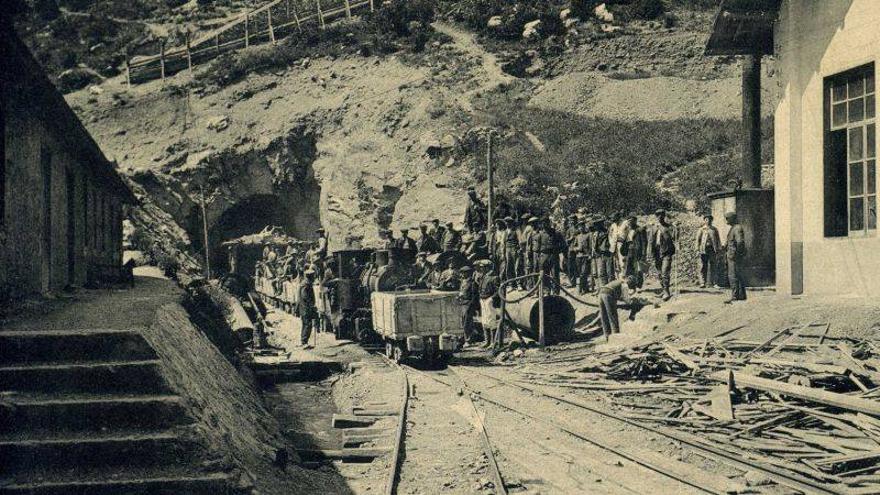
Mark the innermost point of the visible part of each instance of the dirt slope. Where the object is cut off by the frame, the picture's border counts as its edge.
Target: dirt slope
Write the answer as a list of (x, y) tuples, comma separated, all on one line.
[(361, 143)]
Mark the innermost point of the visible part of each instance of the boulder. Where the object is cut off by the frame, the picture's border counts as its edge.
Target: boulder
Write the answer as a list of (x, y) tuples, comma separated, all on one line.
[(603, 14), (217, 123), (495, 22), (530, 29), (564, 14)]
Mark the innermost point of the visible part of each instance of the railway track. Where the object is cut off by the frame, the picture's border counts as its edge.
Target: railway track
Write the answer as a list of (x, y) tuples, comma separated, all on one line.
[(739, 460), (619, 487), (461, 381), (393, 478)]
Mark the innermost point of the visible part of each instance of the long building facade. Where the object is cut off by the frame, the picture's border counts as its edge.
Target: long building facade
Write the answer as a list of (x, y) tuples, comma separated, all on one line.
[(61, 199), (825, 139)]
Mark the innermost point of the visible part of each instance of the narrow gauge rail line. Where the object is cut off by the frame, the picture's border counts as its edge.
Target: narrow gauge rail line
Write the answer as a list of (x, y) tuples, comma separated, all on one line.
[(581, 436), (394, 470), (500, 488), (738, 459)]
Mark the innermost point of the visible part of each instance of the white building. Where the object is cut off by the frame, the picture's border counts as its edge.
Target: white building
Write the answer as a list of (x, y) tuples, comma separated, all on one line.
[(825, 139)]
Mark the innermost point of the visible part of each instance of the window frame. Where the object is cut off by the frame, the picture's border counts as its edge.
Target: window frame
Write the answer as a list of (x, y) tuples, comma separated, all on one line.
[(841, 117)]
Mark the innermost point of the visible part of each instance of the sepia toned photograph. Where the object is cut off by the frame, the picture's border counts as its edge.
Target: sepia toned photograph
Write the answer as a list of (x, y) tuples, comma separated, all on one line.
[(439, 247)]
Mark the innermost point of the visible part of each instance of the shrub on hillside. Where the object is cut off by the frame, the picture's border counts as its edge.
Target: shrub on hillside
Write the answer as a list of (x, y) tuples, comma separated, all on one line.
[(583, 9), (647, 9), (603, 164)]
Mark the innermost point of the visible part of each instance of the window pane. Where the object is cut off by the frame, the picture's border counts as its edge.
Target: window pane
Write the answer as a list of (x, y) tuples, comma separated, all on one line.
[(871, 140), (839, 115), (869, 82), (871, 180), (856, 87), (857, 110), (856, 179), (872, 212), (857, 214), (856, 148), (839, 92), (870, 107)]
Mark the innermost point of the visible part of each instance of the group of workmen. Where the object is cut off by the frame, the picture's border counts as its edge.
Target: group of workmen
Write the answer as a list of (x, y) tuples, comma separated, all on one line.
[(608, 257)]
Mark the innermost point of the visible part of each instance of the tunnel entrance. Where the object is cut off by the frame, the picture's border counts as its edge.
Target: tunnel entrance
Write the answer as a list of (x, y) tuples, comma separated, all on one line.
[(296, 213)]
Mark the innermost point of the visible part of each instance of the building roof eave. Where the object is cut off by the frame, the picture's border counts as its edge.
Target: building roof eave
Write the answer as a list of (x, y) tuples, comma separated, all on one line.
[(743, 27)]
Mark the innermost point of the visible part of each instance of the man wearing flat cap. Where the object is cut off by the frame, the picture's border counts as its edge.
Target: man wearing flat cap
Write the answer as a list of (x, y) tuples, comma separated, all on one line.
[(468, 296), (451, 238), (306, 308), (425, 243), (405, 241), (475, 213), (509, 250), (736, 256), (490, 302), (663, 244), (321, 246), (708, 247)]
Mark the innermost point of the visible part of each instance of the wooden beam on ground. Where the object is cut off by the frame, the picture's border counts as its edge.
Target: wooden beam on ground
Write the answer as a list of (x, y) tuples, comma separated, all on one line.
[(847, 402), (351, 421), (681, 358)]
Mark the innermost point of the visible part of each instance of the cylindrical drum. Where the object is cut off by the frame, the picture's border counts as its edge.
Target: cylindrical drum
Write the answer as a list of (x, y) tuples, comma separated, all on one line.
[(558, 316)]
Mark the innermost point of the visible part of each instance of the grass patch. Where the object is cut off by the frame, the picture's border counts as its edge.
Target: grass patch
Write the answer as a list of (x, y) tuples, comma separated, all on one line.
[(608, 165)]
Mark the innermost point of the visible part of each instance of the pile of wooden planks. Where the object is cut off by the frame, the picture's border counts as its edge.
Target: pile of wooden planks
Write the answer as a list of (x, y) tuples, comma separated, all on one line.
[(799, 400)]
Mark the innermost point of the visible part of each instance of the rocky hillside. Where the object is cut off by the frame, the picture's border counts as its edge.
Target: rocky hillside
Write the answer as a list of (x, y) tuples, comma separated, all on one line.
[(361, 142)]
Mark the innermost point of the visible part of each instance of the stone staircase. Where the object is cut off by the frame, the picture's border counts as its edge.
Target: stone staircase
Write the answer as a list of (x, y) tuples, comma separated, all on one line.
[(88, 412)]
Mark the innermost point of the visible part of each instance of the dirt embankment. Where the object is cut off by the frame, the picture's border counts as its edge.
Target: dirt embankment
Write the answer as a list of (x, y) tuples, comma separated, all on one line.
[(230, 414)]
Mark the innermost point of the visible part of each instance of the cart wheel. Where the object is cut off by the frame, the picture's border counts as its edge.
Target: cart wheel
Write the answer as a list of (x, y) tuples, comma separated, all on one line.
[(398, 354), (389, 350)]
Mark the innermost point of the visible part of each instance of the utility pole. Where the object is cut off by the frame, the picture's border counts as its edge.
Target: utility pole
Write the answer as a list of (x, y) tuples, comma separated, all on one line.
[(205, 232), (490, 172)]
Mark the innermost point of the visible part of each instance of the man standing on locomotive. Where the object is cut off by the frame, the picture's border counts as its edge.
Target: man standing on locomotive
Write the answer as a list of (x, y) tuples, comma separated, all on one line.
[(426, 243), (405, 241), (308, 312)]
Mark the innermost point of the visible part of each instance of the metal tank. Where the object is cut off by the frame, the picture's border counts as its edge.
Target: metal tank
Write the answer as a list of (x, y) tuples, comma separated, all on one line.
[(559, 317)]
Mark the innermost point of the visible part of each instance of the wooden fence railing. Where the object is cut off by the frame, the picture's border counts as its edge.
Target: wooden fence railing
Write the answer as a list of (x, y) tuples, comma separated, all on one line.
[(266, 24)]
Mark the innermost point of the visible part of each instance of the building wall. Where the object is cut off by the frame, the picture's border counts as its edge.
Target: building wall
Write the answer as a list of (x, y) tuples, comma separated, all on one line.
[(28, 267), (817, 39)]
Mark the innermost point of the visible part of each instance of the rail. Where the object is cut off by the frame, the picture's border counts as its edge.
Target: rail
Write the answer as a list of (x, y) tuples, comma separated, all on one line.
[(737, 459), (266, 24)]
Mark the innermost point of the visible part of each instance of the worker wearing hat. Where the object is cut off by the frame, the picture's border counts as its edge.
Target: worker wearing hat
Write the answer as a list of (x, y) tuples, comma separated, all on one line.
[(736, 257), (570, 256), (425, 243), (663, 244), (468, 297), (405, 241), (583, 257), (451, 238), (322, 243), (490, 303), (508, 249), (476, 213), (306, 308), (603, 263), (708, 246)]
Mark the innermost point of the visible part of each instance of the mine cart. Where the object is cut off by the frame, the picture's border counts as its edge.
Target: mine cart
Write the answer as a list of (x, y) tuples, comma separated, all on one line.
[(421, 324)]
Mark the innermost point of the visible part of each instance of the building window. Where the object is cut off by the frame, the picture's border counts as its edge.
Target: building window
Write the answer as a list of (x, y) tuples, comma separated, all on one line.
[(850, 162)]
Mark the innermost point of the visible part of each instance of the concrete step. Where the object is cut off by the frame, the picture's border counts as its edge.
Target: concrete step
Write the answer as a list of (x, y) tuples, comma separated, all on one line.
[(48, 412), (107, 377), (73, 345), (151, 481), (143, 449)]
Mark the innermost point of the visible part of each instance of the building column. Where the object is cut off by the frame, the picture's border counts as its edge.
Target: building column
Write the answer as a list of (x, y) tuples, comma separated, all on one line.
[(751, 122)]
